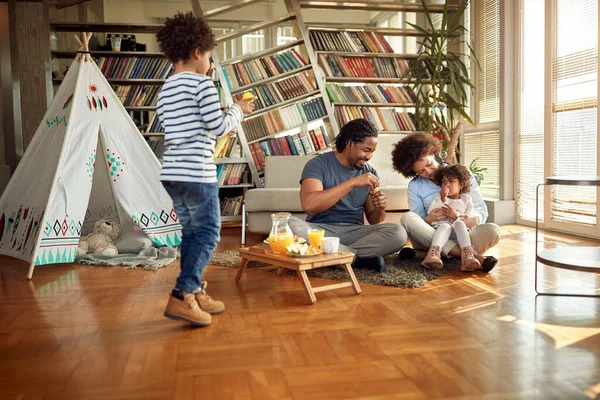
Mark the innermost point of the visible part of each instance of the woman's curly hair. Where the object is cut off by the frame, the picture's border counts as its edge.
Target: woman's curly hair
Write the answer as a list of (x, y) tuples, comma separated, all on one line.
[(183, 34), (457, 171), (410, 149)]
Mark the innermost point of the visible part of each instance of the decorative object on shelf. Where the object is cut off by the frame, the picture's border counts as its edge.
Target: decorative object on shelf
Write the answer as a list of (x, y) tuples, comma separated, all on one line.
[(440, 76)]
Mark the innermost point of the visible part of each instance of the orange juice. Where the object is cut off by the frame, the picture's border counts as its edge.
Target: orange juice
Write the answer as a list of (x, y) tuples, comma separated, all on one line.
[(315, 236), (279, 242)]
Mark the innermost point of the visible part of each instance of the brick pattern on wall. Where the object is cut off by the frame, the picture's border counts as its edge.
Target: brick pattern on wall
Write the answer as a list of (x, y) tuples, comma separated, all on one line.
[(32, 52)]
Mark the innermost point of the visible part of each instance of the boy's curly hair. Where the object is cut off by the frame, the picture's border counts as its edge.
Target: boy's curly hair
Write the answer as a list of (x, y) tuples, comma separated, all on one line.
[(457, 171), (182, 34), (410, 149)]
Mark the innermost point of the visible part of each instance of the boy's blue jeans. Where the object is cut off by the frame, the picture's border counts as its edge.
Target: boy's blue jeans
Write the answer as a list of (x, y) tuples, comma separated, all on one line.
[(197, 206)]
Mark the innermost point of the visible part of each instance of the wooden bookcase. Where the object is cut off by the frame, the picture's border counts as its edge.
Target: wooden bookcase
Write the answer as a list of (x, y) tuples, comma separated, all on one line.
[(362, 58), (282, 111)]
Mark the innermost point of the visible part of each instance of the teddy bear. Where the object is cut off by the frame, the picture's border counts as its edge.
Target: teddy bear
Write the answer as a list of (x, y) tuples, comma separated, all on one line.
[(102, 240)]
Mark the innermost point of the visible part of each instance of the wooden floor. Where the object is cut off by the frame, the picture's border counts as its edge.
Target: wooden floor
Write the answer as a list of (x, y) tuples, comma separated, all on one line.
[(82, 332)]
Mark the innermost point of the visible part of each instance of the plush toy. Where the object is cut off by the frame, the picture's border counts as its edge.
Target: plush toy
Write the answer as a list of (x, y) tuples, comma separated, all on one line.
[(102, 240)]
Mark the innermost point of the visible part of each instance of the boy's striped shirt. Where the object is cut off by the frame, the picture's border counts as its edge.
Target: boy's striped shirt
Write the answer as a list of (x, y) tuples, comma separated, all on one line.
[(190, 111)]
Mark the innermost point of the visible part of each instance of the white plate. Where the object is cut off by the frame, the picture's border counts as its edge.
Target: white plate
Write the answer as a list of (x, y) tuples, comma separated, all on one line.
[(305, 255)]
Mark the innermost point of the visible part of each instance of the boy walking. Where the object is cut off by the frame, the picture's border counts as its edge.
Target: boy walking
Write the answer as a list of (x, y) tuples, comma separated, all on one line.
[(189, 109)]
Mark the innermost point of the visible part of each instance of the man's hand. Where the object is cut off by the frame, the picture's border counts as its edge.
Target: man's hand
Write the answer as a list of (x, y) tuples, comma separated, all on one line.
[(246, 106), (435, 215), (379, 200), (449, 212), (367, 179)]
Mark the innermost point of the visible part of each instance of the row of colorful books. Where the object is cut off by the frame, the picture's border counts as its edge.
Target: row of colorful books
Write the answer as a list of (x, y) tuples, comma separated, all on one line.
[(134, 67), (231, 206), (291, 145), (365, 67), (137, 95), (370, 94), (349, 41), (384, 119), (284, 118), (232, 174), (256, 70), (276, 92)]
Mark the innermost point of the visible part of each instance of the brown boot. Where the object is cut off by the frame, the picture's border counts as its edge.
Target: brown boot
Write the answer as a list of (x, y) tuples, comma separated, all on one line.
[(469, 262), (433, 260), (186, 309), (207, 303)]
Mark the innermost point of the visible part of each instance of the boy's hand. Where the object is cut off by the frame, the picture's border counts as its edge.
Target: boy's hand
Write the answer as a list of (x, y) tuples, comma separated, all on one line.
[(246, 106)]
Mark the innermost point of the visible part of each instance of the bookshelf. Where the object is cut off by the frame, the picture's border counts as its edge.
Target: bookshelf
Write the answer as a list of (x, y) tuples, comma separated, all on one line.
[(364, 77), (136, 78), (292, 114)]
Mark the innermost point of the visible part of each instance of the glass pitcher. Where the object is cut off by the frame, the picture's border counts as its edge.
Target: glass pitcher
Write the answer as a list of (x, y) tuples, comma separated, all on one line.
[(281, 235)]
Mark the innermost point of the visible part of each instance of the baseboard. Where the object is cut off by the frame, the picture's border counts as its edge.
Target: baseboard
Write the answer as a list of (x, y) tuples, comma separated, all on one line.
[(502, 211)]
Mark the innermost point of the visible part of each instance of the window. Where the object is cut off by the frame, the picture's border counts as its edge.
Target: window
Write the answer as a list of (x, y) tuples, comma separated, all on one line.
[(285, 34), (253, 42), (530, 106), (226, 49), (483, 141), (574, 108)]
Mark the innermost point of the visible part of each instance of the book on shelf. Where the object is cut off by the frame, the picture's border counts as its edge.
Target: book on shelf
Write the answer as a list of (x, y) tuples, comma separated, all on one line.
[(137, 95), (232, 174), (364, 67), (273, 93), (157, 147), (297, 144), (245, 73), (134, 67), (154, 125), (227, 146), (349, 41), (384, 119), (231, 206), (285, 118), (370, 94)]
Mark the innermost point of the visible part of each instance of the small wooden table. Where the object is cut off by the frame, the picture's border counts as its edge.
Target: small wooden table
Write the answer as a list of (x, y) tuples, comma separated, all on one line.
[(265, 255)]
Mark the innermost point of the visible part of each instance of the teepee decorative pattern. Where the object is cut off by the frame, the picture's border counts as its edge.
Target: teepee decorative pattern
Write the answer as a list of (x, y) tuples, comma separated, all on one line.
[(61, 186)]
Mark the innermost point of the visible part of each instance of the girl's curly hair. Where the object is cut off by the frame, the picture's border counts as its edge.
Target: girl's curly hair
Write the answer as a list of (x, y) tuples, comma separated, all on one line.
[(182, 34), (410, 149), (456, 171)]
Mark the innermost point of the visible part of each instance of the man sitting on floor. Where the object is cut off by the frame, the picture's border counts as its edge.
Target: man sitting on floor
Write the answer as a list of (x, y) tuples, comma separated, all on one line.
[(339, 188)]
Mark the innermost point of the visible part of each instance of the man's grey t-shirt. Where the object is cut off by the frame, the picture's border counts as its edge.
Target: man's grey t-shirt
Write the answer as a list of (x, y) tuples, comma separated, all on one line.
[(350, 208)]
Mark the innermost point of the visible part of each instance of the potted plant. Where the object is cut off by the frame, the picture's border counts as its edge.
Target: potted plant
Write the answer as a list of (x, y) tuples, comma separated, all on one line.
[(477, 171), (440, 77)]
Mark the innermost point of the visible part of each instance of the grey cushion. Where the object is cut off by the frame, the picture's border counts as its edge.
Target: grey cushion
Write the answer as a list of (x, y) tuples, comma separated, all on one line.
[(273, 200)]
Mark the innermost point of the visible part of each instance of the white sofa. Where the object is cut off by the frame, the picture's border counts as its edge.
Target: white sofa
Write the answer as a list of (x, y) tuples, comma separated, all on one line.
[(282, 187)]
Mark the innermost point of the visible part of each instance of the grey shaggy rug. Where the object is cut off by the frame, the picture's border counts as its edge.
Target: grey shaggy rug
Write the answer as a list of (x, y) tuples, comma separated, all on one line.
[(399, 273)]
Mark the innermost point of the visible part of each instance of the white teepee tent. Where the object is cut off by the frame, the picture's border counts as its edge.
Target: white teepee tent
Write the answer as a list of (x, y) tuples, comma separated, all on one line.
[(87, 161)]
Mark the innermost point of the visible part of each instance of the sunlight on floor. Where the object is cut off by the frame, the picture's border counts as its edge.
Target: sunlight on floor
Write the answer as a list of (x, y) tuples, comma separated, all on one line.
[(593, 391), (563, 335)]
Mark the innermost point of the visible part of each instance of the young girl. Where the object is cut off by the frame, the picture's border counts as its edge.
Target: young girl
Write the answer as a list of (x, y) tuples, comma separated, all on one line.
[(457, 205)]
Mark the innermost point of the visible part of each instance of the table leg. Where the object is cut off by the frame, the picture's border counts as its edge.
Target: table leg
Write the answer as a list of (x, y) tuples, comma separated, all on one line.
[(350, 271), (307, 286), (241, 269)]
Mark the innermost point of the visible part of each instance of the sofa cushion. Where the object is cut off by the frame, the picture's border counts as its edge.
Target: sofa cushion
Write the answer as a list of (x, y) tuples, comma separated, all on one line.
[(284, 171), (273, 200), (261, 222), (397, 198)]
